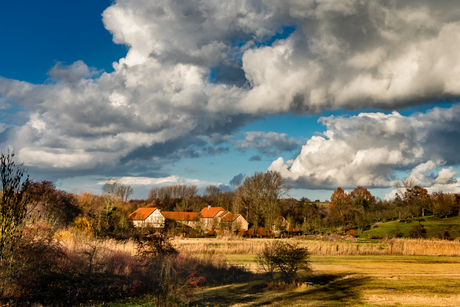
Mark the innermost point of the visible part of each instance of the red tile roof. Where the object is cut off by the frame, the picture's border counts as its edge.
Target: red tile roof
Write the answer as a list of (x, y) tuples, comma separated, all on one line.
[(211, 212), (229, 217), (141, 214), (222, 214), (181, 216)]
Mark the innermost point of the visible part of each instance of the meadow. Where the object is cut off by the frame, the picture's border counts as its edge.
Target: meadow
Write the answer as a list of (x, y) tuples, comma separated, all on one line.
[(436, 227), (343, 277), (224, 271), (350, 281), (418, 273)]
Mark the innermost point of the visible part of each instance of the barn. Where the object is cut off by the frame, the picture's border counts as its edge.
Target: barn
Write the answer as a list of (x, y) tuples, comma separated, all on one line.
[(147, 217)]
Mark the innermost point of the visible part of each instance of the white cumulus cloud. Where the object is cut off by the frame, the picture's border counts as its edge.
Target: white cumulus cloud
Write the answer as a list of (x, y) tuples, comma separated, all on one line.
[(162, 101), (369, 148)]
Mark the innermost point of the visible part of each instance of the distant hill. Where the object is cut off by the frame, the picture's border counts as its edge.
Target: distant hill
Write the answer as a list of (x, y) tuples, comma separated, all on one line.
[(435, 227), (320, 203)]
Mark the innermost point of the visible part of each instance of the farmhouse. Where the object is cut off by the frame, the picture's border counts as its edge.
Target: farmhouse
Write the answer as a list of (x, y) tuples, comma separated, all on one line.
[(233, 222), (147, 217), (189, 219), (210, 217)]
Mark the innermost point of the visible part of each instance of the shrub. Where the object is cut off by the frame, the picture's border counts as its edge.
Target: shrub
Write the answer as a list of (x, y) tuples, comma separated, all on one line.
[(417, 231), (395, 233), (446, 235), (261, 232), (34, 258), (83, 224), (161, 272), (352, 233), (288, 259), (90, 271), (152, 244), (42, 271)]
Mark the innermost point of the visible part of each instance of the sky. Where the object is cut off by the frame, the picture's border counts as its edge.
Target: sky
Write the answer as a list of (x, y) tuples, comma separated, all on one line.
[(153, 93)]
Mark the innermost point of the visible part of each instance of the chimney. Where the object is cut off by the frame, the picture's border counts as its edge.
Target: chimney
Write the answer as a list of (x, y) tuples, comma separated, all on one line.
[(209, 207)]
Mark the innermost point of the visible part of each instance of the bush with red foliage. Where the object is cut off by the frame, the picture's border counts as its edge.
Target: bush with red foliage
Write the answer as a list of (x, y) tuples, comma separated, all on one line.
[(261, 232), (352, 232)]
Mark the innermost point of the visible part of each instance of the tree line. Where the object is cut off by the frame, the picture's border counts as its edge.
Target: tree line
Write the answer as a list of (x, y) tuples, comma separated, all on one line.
[(261, 199)]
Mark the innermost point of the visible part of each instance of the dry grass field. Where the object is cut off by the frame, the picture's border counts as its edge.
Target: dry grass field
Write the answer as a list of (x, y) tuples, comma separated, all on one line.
[(399, 273), (376, 280)]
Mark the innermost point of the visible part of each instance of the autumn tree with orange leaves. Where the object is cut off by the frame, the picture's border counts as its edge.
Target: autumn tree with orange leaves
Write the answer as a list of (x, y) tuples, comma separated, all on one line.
[(346, 210), (340, 208), (362, 198)]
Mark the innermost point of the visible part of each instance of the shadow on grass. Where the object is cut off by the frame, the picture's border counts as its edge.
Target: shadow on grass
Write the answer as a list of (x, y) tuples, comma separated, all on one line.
[(329, 290), (231, 294)]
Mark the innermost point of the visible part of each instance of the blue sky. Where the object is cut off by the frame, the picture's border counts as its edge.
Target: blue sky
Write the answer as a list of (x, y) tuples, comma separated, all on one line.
[(36, 35), (200, 93)]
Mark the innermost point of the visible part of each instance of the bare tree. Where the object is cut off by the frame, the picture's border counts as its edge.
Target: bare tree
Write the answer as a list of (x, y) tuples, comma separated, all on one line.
[(111, 186), (14, 202), (257, 197), (404, 186), (115, 188), (212, 191), (124, 192), (180, 191)]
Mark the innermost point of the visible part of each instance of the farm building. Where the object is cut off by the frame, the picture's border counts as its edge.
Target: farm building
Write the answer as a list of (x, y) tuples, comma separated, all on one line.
[(218, 217), (207, 219), (233, 222), (210, 217), (147, 217), (190, 219)]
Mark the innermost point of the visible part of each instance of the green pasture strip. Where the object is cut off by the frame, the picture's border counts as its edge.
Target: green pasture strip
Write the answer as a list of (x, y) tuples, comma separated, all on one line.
[(239, 259), (387, 258), (145, 301), (435, 227), (432, 286), (252, 259)]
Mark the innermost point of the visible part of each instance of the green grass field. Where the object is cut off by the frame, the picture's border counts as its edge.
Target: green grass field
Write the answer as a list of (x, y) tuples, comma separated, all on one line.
[(435, 227)]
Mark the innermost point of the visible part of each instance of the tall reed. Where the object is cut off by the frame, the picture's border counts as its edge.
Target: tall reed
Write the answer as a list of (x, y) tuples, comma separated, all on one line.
[(407, 247)]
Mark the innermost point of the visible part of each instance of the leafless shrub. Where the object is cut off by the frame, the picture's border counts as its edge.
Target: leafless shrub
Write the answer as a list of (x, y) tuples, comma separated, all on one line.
[(288, 259)]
